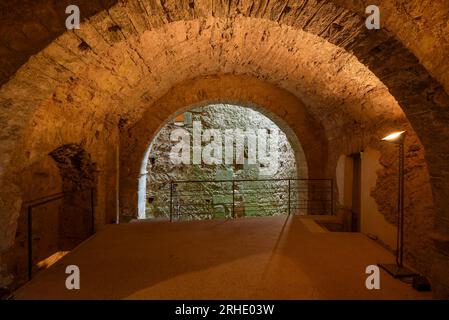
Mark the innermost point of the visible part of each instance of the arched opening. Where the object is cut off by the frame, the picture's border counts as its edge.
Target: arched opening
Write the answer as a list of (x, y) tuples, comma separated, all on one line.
[(79, 182), (277, 156), (129, 68), (275, 103), (58, 213)]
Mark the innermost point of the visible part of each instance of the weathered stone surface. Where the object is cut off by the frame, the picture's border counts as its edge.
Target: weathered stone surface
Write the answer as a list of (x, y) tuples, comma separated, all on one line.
[(29, 26), (291, 163), (418, 203), (420, 26), (349, 85), (285, 110)]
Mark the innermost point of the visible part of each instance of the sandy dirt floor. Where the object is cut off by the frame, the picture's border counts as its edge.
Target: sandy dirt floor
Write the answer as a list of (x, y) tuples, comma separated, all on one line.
[(254, 258)]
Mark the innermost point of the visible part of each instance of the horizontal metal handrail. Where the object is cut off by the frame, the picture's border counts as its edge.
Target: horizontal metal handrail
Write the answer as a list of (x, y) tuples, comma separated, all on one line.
[(286, 195), (52, 197), (38, 201), (248, 180), (30, 205)]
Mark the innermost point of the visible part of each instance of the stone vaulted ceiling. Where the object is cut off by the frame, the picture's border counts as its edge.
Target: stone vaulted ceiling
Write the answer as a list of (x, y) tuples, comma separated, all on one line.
[(65, 87), (421, 25)]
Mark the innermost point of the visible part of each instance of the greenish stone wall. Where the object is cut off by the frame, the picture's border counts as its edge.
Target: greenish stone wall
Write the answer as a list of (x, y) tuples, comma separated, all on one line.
[(214, 200)]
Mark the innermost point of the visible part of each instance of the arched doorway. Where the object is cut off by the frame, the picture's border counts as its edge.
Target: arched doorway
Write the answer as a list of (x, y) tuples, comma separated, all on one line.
[(185, 51), (58, 213), (277, 155), (258, 95)]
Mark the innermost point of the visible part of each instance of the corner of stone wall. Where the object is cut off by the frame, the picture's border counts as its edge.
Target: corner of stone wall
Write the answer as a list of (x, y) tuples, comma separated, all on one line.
[(6, 278)]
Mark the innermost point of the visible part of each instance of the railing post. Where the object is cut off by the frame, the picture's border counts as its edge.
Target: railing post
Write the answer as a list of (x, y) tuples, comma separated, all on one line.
[(332, 197), (92, 207), (233, 199), (30, 244), (289, 200), (171, 201), (41, 201)]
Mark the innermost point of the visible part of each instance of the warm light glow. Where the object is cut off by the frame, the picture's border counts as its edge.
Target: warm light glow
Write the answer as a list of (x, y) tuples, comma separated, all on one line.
[(49, 261), (394, 136)]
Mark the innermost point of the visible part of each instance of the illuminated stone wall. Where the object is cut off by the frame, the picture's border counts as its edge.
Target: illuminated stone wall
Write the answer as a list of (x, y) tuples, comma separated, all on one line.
[(220, 116)]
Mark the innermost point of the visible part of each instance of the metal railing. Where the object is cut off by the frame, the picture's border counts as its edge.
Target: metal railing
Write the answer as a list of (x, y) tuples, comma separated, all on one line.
[(30, 205), (189, 200)]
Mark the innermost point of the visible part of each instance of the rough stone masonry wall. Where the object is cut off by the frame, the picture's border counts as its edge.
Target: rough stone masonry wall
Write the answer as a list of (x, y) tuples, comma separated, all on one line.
[(419, 205), (58, 225), (69, 146), (28, 26), (418, 201), (280, 105), (222, 117), (75, 219), (138, 50), (421, 25)]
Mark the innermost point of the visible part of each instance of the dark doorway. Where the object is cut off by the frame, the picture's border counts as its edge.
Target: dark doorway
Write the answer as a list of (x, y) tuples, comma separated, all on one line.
[(356, 193)]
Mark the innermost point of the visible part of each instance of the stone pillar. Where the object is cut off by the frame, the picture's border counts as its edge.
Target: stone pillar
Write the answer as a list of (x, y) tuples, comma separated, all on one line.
[(440, 181), (440, 268)]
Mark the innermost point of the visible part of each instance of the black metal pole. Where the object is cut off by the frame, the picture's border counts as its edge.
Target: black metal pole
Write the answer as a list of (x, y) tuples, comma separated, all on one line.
[(171, 201), (332, 197), (398, 270), (30, 244), (233, 199), (92, 207), (401, 203)]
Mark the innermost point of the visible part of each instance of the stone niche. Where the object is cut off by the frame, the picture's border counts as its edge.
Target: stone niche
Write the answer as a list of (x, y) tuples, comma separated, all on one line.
[(60, 225)]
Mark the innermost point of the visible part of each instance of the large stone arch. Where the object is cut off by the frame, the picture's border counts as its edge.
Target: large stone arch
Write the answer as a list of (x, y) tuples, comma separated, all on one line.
[(416, 24), (66, 62), (281, 106), (300, 159), (60, 224)]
